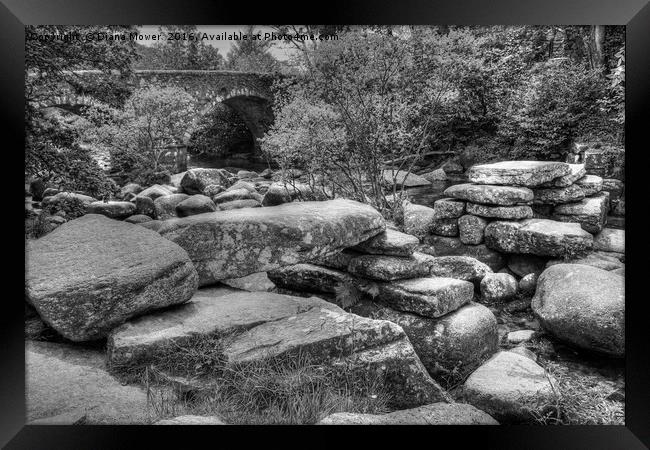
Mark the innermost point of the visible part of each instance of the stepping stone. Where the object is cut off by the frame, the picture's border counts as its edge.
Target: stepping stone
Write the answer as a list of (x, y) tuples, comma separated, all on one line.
[(557, 196), (510, 387), (434, 414), (114, 210), (577, 172), (64, 383), (255, 326), (450, 346), (590, 213), (491, 195), (590, 184), (583, 306), (94, 273), (402, 178), (610, 240), (428, 297), (310, 278), (236, 243), (387, 268), (518, 173), (500, 212), (540, 237), (390, 242), (448, 208)]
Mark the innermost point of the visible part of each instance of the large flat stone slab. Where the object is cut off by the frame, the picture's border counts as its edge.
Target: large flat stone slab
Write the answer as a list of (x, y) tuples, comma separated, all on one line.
[(390, 242), (577, 171), (236, 243), (253, 327), (583, 306), (94, 273), (540, 237), (590, 184), (590, 213), (500, 212), (518, 173), (490, 195), (558, 195), (310, 278), (434, 414), (63, 383), (387, 268)]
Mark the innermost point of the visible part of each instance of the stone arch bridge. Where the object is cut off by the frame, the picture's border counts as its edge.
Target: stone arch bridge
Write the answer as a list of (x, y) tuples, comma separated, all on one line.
[(249, 94)]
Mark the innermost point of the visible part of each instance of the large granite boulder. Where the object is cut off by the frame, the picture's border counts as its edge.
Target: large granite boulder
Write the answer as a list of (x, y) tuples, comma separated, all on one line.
[(165, 206), (427, 297), (501, 212), (511, 388), (263, 325), (196, 180), (64, 383), (434, 414), (491, 195), (403, 178), (518, 173), (195, 204), (93, 273), (235, 243), (112, 209), (558, 195), (310, 278), (450, 346), (590, 184), (390, 242), (541, 237), (590, 213), (610, 240), (584, 306)]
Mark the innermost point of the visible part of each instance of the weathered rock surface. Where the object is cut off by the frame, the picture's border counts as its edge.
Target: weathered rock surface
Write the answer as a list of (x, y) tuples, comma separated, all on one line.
[(130, 189), (144, 206), (390, 242), (458, 267), (239, 204), (266, 325), (62, 196), (500, 212), (236, 194), (93, 273), (471, 229), (590, 184), (235, 243), (255, 282), (428, 297), (519, 336), (528, 284), (584, 306), (541, 237), (195, 204), (339, 260), (434, 414), (155, 191), (450, 346), (590, 213), (165, 206), (63, 382), (387, 268), (577, 171), (112, 209), (435, 175), (196, 180), (444, 227), (279, 193), (510, 387), (448, 208), (192, 420), (497, 287), (522, 265), (310, 278), (213, 189), (610, 240), (418, 219), (558, 195), (491, 195), (594, 259), (448, 246), (401, 178), (518, 173), (614, 187)]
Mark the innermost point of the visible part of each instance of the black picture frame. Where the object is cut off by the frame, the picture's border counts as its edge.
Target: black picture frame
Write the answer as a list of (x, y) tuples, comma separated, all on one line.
[(635, 14)]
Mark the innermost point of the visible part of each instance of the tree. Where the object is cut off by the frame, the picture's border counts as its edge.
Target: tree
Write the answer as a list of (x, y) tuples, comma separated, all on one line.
[(251, 54), (152, 120)]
